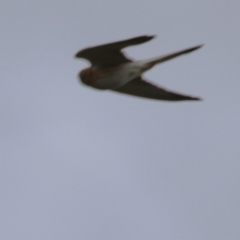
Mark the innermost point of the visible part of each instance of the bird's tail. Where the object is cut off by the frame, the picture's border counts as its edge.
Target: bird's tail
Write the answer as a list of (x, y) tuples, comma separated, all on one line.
[(167, 57)]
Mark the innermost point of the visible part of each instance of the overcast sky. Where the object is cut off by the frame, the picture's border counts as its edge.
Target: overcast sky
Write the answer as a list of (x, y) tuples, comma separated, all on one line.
[(77, 163)]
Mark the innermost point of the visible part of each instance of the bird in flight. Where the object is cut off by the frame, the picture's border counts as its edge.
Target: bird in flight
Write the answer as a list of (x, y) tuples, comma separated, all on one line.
[(112, 70)]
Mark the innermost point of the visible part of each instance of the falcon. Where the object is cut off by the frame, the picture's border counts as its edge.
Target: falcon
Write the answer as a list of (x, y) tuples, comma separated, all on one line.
[(111, 70)]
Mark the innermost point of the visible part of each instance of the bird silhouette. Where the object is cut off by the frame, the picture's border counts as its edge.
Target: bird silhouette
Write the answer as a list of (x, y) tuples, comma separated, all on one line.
[(111, 70)]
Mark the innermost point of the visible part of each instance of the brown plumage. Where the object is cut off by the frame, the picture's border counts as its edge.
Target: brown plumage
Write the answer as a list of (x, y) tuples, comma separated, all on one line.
[(112, 70)]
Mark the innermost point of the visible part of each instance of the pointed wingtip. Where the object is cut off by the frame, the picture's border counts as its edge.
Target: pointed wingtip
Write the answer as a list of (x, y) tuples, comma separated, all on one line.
[(200, 45), (77, 55), (152, 36), (196, 98), (195, 48), (148, 37), (187, 97)]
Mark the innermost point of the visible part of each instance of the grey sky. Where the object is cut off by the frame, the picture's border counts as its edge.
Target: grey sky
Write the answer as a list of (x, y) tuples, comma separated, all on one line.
[(77, 163)]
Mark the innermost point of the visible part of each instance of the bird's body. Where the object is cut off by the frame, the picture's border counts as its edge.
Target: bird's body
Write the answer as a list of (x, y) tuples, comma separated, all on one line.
[(113, 71), (113, 77)]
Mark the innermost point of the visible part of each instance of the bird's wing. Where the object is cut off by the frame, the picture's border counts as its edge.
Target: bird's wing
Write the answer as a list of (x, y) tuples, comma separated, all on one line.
[(141, 88), (109, 55)]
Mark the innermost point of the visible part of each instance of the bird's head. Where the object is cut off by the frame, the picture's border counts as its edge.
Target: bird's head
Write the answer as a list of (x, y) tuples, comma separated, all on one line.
[(85, 76), (82, 75)]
